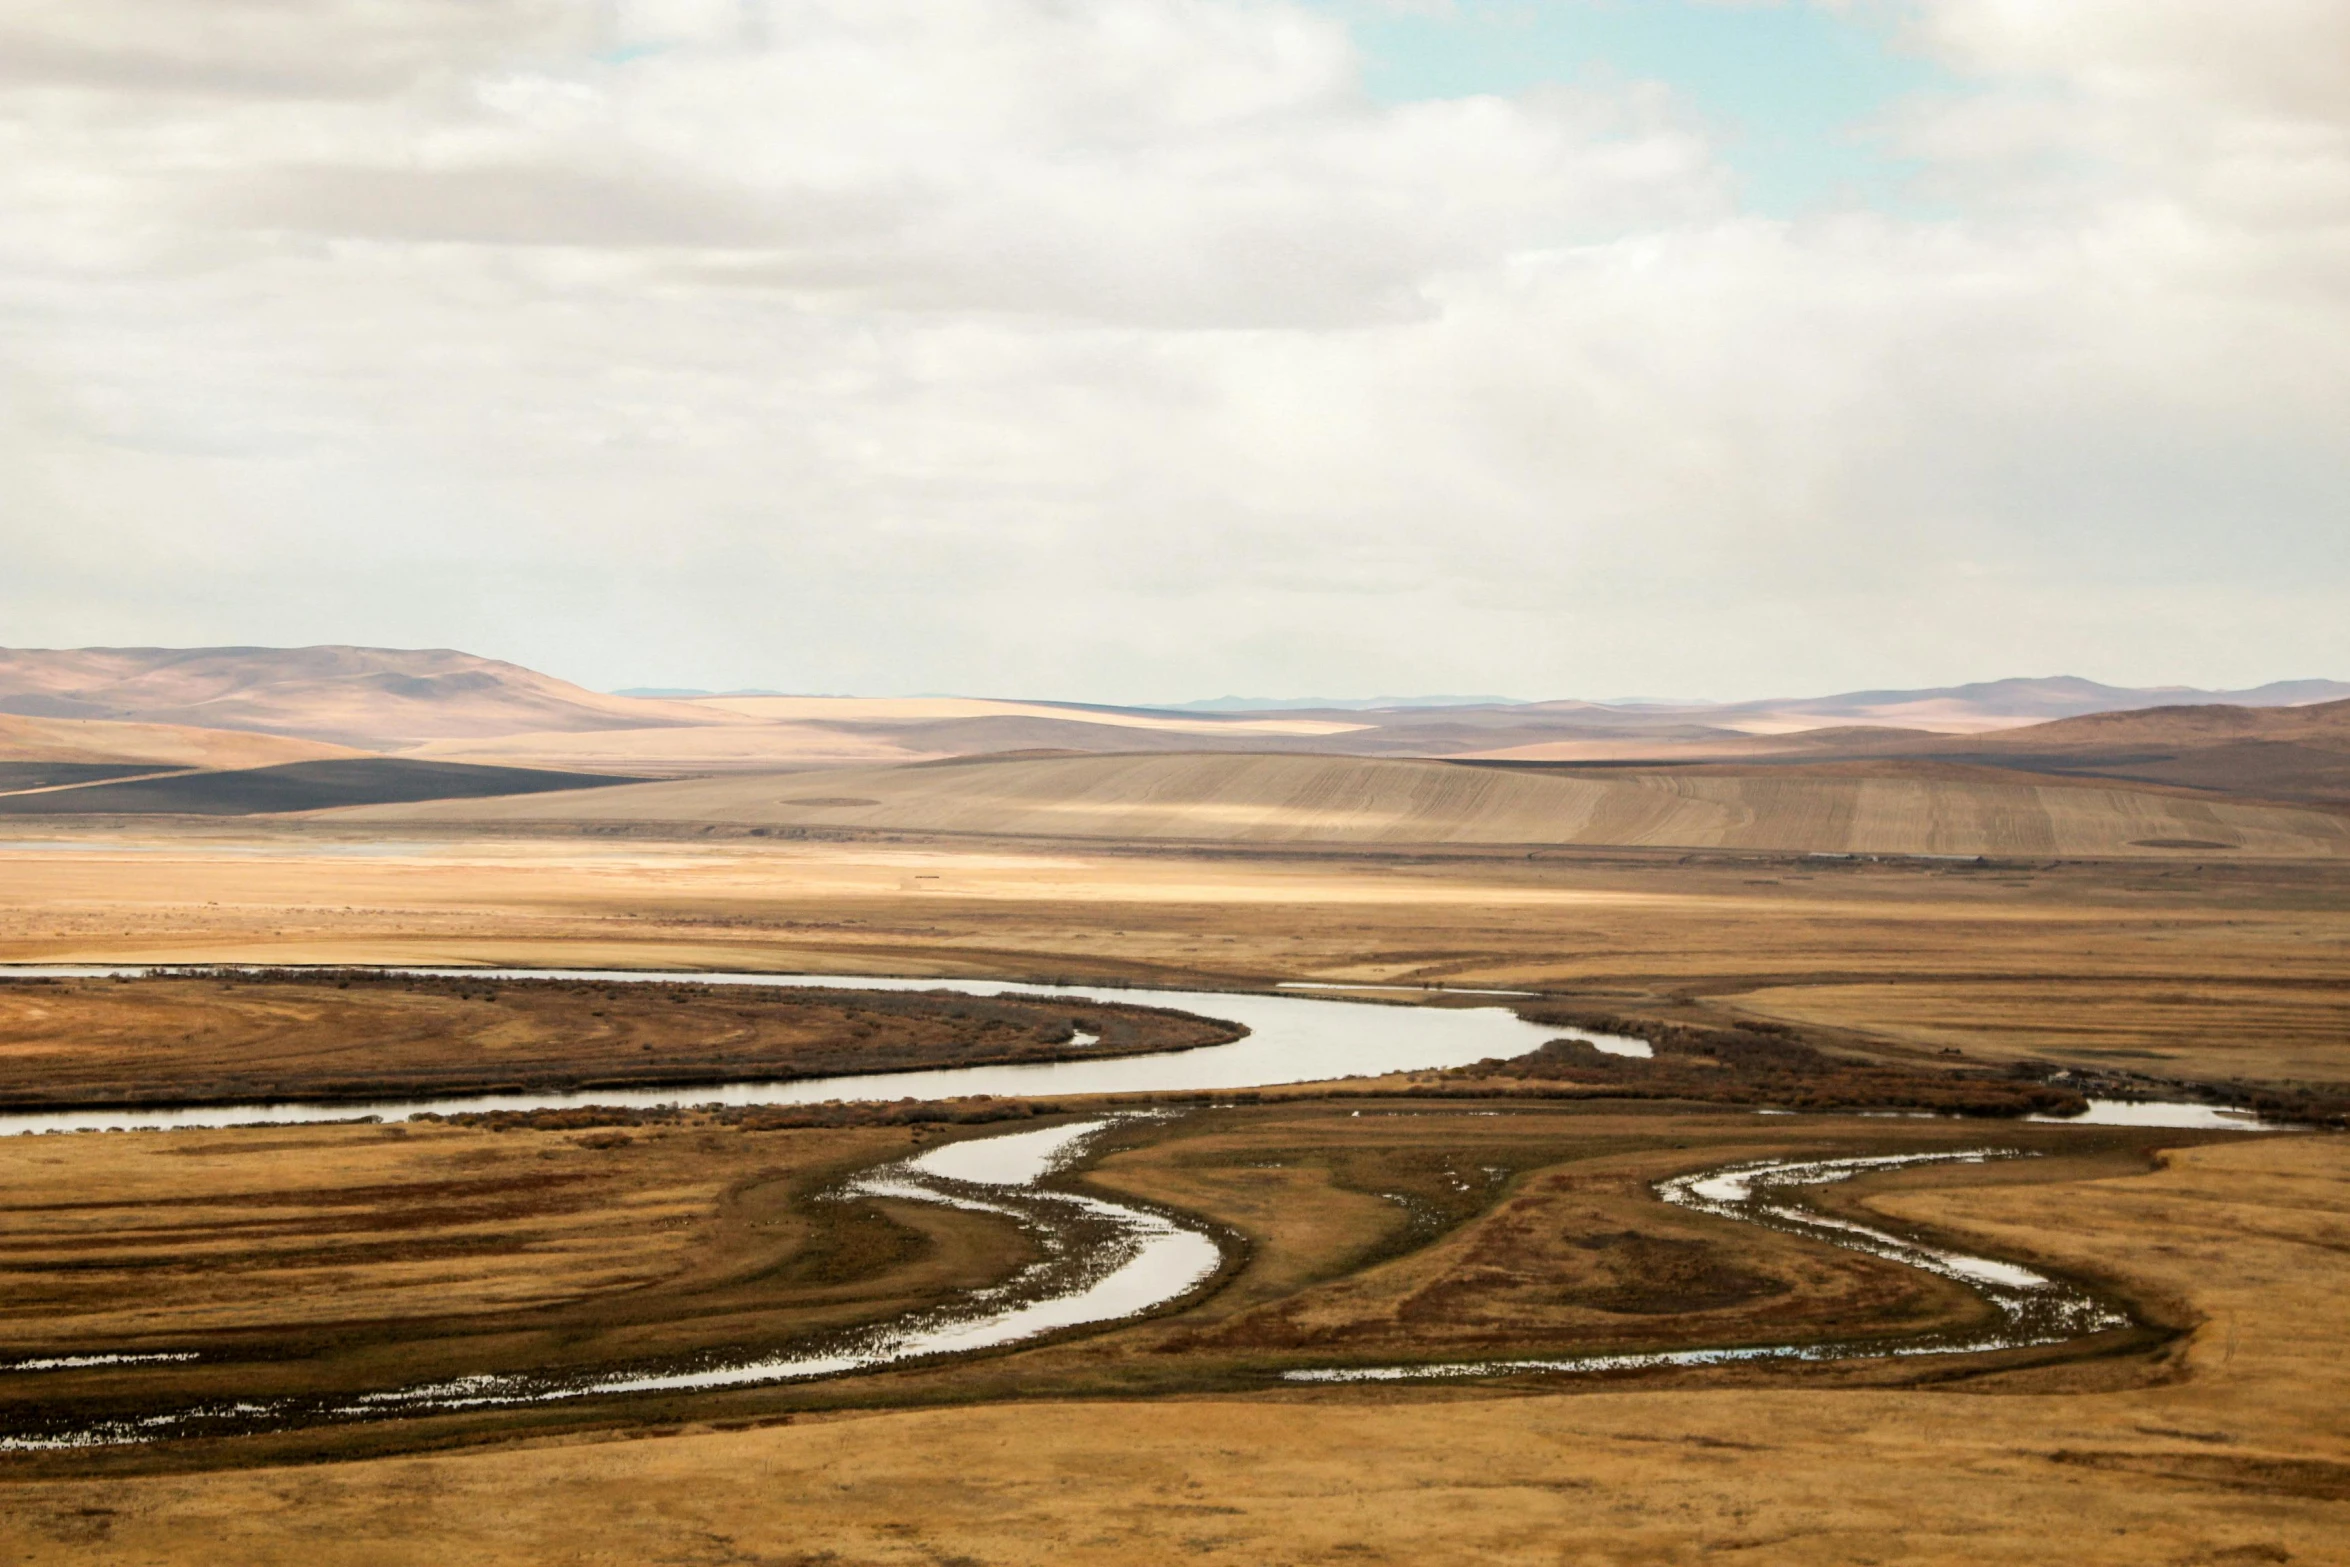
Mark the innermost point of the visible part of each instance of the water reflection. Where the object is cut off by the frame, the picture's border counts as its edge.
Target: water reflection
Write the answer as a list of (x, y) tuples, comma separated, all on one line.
[(1291, 1039), (1098, 1262)]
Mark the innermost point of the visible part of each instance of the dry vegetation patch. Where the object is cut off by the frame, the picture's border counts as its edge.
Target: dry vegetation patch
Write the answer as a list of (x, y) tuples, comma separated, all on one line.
[(1759, 1064), (323, 1261), (234, 1036), (2280, 1042)]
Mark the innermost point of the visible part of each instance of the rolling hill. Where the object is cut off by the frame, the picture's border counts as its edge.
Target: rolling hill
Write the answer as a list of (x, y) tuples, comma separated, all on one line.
[(98, 742), (2293, 754), (373, 699), (118, 705), (292, 786), (1276, 799)]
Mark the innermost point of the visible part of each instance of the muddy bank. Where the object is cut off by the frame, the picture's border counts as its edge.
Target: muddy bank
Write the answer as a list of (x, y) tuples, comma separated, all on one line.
[(1758, 1064), (1092, 1261), (220, 1037)]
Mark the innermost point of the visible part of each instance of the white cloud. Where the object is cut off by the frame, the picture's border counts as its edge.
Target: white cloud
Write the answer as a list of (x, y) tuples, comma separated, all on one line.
[(1128, 349)]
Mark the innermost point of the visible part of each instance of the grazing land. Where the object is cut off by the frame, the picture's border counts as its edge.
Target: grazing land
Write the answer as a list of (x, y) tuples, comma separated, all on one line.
[(1355, 801), (1448, 1217), (234, 1037), (1363, 1231), (2215, 1437), (1703, 938)]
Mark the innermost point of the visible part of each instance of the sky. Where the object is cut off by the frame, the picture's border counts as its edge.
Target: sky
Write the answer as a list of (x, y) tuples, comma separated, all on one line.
[(1144, 350)]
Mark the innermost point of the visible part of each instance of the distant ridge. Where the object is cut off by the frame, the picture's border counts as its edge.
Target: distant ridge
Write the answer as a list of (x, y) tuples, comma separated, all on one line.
[(1327, 704), (294, 786), (370, 698), (444, 705), (1234, 798), (690, 693)]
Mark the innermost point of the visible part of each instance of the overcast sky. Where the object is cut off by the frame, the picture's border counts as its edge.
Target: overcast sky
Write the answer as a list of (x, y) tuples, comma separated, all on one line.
[(1153, 349)]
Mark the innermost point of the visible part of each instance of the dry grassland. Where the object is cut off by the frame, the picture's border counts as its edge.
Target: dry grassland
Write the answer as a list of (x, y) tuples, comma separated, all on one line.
[(2230, 1447), (336, 1260), (238, 1038), (2293, 1031), (1990, 959), (340, 1259), (345, 1257), (164, 745), (1264, 799)]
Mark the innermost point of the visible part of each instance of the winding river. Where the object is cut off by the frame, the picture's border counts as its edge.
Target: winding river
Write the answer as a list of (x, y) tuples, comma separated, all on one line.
[(1098, 1261), (1291, 1039), (2030, 1309)]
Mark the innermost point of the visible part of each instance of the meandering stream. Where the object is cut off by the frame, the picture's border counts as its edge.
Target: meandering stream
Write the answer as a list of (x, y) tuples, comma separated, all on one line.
[(1099, 1261), (1291, 1039), (2030, 1309), (1105, 1262)]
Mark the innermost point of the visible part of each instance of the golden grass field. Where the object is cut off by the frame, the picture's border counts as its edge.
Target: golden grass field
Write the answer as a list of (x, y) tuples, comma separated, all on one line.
[(1260, 799), (1713, 935), (342, 1259), (2226, 1447), (352, 1036), (2226, 1442)]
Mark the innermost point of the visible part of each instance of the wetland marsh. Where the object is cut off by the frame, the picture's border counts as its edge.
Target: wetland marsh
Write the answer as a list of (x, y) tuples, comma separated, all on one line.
[(1430, 1218)]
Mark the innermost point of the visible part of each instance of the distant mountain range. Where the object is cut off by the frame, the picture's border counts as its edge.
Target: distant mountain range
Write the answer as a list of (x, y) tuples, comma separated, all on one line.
[(370, 698), (1983, 705), (94, 706), (691, 693), (1330, 704)]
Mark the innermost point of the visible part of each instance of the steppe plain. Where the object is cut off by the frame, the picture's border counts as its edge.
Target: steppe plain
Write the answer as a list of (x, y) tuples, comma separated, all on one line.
[(2217, 1436), (1911, 913)]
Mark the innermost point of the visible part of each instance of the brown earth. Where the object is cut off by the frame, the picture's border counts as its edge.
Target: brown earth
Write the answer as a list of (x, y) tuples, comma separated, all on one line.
[(1224, 798), (165, 746), (1756, 1064), (231, 1038), (1690, 938), (2229, 1446), (1372, 1236), (334, 1260), (2301, 1030)]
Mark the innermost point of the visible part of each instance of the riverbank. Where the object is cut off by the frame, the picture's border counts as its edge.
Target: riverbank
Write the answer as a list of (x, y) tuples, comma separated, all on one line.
[(2233, 1452)]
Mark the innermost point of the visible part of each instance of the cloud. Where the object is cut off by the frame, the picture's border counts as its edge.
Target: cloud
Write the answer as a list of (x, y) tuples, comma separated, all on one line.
[(1130, 349)]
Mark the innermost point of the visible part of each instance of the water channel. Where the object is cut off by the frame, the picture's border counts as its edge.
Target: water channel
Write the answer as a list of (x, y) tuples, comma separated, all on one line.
[(1291, 1039), (2030, 1309), (1098, 1261)]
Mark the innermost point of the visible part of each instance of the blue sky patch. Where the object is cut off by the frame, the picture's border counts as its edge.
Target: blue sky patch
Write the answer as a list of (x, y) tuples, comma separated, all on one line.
[(1790, 91)]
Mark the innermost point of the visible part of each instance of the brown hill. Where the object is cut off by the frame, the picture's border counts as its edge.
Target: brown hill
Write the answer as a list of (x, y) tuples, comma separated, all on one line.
[(69, 740), (2296, 754), (2214, 723), (2300, 754), (287, 787), (1885, 808), (373, 698)]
